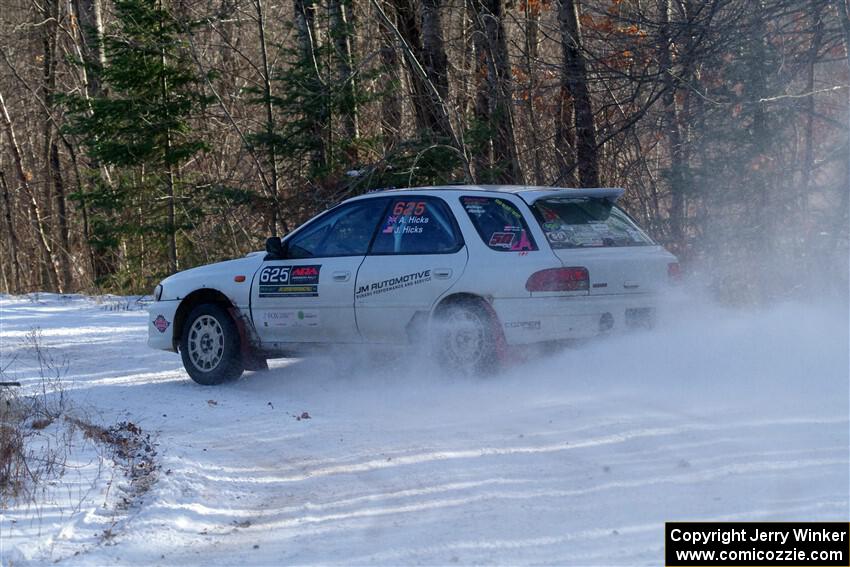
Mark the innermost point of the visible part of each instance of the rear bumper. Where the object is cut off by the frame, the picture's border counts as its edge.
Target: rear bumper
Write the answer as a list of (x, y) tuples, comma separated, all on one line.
[(161, 324), (540, 319)]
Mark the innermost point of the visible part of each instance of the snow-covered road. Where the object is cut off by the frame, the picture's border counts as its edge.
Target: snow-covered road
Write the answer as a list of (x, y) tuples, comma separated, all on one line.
[(577, 458)]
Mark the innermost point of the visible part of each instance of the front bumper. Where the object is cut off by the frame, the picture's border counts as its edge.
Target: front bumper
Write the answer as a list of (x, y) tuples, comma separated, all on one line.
[(161, 325), (540, 319)]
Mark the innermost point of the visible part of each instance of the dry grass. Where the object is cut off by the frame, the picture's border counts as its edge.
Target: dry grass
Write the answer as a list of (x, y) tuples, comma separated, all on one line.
[(26, 465)]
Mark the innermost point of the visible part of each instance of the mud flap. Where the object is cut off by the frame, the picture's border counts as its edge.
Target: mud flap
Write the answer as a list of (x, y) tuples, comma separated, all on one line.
[(503, 354), (250, 359)]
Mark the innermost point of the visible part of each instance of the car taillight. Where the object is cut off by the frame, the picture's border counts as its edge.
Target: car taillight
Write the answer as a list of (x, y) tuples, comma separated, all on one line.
[(559, 279), (674, 272)]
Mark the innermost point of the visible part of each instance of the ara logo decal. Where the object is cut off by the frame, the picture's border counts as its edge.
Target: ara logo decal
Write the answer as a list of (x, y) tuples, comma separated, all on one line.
[(160, 323), (305, 271)]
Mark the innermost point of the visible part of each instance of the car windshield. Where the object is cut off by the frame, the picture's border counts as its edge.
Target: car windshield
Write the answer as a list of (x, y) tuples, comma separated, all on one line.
[(587, 222)]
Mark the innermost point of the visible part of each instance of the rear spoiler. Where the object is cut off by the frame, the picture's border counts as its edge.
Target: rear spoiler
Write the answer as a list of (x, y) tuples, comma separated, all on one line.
[(534, 195)]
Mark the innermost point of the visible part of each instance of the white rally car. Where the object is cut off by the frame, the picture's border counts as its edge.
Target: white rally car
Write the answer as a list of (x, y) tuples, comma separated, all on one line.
[(468, 270)]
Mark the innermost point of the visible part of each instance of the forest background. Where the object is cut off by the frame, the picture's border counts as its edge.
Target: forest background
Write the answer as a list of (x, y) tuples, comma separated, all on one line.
[(142, 137)]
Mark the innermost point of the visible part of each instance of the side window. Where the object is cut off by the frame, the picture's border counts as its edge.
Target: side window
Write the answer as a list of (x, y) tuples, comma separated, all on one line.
[(499, 223), (345, 231), (417, 225)]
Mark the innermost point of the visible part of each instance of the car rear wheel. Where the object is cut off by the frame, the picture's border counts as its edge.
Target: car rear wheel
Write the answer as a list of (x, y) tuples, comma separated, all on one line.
[(463, 339), (210, 346)]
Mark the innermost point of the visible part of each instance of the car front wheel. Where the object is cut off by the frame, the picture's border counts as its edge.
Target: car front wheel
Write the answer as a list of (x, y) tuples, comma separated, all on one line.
[(463, 339), (210, 345)]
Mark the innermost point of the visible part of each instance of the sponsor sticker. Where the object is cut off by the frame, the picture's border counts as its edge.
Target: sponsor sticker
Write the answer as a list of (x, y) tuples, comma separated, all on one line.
[(161, 323), (523, 243), (290, 281), (393, 284), (509, 208), (549, 215), (502, 240), (523, 325), (291, 318)]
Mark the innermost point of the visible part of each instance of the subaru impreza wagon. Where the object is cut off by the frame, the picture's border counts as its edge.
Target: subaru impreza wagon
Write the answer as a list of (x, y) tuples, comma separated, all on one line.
[(468, 271)]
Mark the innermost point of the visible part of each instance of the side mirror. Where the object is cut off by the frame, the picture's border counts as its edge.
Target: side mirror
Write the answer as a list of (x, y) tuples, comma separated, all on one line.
[(275, 249)]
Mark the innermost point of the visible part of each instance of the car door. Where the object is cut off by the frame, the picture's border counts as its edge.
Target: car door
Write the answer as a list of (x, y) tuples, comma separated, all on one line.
[(308, 296), (416, 257)]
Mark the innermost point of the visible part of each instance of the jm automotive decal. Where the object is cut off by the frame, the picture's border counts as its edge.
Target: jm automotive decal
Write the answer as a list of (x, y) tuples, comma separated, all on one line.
[(290, 281), (393, 284)]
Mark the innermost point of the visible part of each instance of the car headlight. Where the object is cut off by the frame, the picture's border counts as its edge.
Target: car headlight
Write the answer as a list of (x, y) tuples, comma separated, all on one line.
[(157, 292)]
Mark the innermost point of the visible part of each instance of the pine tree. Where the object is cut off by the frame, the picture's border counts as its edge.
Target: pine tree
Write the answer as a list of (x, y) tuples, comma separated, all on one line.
[(140, 124)]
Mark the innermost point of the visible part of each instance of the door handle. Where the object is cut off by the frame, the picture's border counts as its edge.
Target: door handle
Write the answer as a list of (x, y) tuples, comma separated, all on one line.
[(631, 285), (341, 276), (442, 273)]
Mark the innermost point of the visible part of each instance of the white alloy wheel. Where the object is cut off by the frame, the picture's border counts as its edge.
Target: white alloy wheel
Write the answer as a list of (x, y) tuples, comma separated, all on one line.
[(206, 343), (463, 337)]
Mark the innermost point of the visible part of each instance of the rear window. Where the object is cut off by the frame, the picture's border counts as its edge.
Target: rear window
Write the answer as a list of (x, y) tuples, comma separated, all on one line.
[(587, 222), (499, 223)]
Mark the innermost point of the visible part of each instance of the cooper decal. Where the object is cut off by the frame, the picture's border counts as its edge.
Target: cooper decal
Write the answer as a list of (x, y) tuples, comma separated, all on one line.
[(524, 325), (290, 281), (392, 284)]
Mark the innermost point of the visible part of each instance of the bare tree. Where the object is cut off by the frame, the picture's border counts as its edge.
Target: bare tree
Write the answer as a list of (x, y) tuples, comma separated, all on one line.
[(574, 77), (494, 101), (39, 225)]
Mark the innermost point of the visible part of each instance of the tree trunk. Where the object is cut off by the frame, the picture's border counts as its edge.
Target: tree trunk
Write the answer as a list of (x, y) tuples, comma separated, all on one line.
[(343, 36), (532, 28), (565, 138), (39, 227), (391, 108), (482, 155), (91, 25), (842, 210), (808, 151), (574, 80), (428, 103), (170, 225), (50, 173), (12, 235), (270, 125), (488, 15), (434, 59), (63, 234), (308, 39), (90, 17), (673, 133)]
